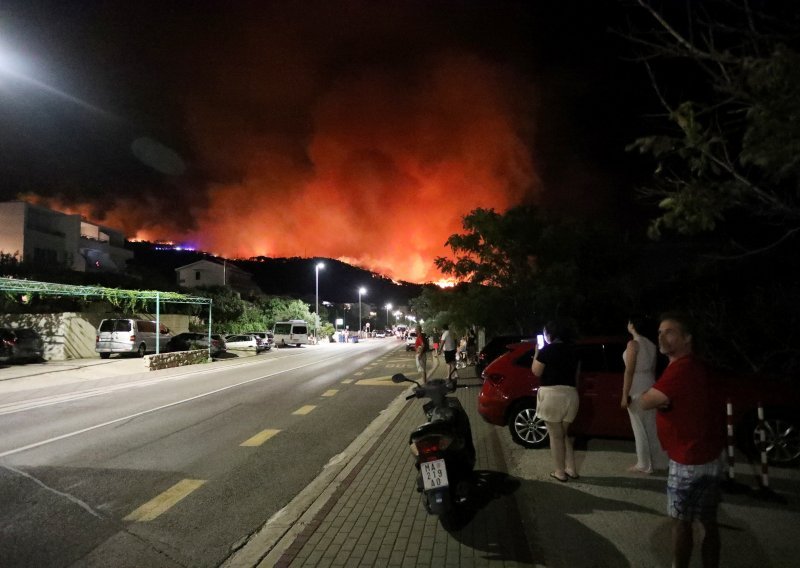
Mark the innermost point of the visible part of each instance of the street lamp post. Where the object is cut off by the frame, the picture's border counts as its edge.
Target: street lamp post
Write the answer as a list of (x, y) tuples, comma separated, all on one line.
[(316, 313), (388, 307), (361, 291)]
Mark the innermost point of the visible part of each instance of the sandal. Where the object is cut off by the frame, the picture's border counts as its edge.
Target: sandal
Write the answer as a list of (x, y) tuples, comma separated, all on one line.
[(554, 476)]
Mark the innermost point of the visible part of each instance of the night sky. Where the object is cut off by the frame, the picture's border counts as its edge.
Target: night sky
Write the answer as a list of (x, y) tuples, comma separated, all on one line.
[(356, 130)]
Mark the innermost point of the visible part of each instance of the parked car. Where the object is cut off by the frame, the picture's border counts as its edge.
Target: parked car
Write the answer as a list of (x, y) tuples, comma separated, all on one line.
[(20, 344), (495, 347), (411, 339), (193, 340), (246, 342), (124, 335), (265, 336), (508, 398), (380, 333)]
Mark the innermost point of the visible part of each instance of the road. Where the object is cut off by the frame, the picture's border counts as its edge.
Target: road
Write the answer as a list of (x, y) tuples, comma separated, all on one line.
[(178, 468)]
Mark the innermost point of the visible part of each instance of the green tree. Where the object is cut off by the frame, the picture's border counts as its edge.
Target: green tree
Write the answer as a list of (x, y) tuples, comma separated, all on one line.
[(730, 146), (523, 267)]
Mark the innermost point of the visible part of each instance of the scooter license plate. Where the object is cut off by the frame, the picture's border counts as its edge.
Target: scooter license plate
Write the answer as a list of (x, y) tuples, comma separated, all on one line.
[(434, 474)]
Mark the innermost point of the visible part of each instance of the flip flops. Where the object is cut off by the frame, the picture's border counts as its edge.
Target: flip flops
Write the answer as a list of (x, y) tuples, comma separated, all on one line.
[(554, 476)]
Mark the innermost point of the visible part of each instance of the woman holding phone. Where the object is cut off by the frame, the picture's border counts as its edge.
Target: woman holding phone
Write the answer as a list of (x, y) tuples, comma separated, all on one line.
[(557, 366)]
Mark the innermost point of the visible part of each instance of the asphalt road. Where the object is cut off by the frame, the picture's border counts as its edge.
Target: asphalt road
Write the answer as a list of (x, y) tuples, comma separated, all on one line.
[(178, 468)]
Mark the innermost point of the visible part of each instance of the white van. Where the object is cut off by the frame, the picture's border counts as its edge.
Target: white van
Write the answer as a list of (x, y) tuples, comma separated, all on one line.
[(292, 332), (130, 336)]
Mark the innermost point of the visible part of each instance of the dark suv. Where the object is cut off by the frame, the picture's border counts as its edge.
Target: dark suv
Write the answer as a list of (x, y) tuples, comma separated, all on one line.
[(20, 344), (495, 347)]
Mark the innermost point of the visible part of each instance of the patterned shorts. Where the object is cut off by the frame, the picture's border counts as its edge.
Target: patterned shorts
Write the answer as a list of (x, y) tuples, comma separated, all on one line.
[(693, 491)]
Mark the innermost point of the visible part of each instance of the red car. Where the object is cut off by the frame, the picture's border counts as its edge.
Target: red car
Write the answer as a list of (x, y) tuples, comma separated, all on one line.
[(508, 398)]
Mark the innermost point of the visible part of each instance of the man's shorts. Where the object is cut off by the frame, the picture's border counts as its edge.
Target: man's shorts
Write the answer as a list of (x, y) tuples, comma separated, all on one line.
[(693, 491), (450, 356)]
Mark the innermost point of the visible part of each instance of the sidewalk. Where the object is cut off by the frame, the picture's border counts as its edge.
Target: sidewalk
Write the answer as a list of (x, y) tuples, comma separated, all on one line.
[(372, 515)]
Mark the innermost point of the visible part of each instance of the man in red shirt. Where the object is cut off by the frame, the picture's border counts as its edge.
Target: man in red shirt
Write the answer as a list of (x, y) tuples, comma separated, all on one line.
[(691, 429)]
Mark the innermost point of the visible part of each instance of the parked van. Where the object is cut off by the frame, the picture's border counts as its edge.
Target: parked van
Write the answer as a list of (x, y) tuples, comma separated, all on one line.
[(130, 336), (293, 332)]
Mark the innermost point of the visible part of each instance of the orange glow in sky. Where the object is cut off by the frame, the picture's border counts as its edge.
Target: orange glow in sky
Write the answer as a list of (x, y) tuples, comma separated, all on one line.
[(384, 177)]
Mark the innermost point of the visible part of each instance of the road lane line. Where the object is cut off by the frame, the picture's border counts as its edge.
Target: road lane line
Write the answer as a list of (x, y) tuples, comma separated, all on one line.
[(259, 438), (151, 410), (304, 409), (331, 392), (347, 381), (162, 503), (381, 382)]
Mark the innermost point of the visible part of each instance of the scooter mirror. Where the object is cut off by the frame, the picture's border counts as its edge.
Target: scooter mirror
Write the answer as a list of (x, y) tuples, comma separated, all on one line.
[(399, 378)]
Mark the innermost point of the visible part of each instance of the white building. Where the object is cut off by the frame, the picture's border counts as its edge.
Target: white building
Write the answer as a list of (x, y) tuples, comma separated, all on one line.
[(209, 273), (38, 235)]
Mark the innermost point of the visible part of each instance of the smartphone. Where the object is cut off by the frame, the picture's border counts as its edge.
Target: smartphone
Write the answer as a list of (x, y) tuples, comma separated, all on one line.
[(540, 340)]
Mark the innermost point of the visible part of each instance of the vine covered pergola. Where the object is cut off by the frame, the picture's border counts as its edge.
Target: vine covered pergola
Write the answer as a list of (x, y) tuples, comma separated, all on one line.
[(120, 298)]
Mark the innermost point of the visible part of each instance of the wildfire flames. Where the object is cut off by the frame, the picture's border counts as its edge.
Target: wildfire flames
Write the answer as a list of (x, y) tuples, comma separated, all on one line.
[(375, 167)]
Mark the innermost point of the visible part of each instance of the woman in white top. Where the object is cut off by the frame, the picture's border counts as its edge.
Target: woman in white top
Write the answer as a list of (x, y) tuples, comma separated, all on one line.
[(640, 375)]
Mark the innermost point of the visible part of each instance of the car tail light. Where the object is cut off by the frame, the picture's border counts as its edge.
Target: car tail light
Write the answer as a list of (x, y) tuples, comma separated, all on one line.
[(97, 339), (430, 445), (494, 378), (132, 338)]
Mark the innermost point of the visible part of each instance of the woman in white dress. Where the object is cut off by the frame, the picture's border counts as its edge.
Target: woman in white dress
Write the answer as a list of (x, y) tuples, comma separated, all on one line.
[(640, 375)]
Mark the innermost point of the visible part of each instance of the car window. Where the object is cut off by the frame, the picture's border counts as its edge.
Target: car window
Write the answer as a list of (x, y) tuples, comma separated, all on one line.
[(525, 360), (593, 359)]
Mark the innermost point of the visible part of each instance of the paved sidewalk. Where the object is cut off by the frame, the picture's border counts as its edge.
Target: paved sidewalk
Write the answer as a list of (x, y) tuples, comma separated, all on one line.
[(374, 515)]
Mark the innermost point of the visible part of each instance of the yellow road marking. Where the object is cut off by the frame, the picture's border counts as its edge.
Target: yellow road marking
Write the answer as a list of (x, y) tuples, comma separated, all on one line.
[(331, 392), (304, 409), (380, 382), (358, 374), (347, 381), (259, 438), (162, 503)]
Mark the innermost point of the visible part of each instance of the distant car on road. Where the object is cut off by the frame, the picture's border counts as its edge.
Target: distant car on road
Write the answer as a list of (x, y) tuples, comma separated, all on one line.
[(411, 339), (20, 344), (380, 333), (246, 342)]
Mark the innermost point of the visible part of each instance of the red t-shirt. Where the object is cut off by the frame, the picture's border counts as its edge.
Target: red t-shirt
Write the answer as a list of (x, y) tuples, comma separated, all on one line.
[(692, 429)]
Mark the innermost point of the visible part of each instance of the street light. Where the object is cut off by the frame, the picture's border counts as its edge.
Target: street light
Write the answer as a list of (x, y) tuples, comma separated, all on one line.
[(388, 307), (316, 313), (361, 291)]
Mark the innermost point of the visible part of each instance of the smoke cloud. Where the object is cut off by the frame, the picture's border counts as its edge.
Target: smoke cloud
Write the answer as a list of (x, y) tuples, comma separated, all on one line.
[(357, 131)]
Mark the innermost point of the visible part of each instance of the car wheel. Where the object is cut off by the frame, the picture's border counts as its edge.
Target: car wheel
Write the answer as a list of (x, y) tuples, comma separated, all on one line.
[(782, 438), (141, 351), (105, 355), (526, 428)]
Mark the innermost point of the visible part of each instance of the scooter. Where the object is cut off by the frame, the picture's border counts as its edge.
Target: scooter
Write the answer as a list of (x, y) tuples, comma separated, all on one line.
[(442, 447)]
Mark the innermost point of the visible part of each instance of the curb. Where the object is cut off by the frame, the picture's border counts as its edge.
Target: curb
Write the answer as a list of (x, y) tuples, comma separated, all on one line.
[(267, 545)]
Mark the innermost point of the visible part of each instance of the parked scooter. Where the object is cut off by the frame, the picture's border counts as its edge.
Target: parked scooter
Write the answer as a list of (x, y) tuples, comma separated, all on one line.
[(443, 448)]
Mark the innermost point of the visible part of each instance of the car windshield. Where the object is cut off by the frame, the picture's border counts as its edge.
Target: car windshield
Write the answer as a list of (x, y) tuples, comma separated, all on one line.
[(115, 325)]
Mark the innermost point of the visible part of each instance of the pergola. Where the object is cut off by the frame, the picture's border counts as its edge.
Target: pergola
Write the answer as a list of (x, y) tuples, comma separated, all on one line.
[(115, 296)]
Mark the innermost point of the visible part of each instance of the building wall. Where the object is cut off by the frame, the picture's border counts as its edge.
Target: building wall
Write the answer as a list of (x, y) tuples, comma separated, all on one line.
[(12, 225), (44, 236)]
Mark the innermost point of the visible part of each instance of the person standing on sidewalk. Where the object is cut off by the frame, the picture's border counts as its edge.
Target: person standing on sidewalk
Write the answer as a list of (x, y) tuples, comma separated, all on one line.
[(448, 345), (640, 374), (691, 427), (421, 347), (557, 367)]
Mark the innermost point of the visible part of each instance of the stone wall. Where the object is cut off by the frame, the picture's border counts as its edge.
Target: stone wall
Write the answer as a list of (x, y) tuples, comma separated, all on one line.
[(71, 335), (177, 359)]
